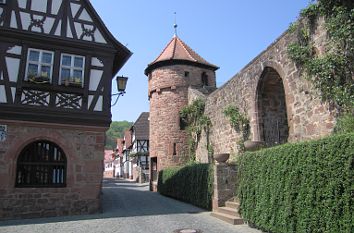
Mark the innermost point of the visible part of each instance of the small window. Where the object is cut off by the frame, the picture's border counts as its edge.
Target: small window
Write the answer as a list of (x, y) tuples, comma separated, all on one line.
[(174, 148), (182, 123), (39, 66), (72, 70), (186, 74), (41, 164), (205, 81)]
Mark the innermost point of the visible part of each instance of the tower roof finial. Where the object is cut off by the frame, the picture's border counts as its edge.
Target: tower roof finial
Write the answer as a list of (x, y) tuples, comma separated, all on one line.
[(175, 24)]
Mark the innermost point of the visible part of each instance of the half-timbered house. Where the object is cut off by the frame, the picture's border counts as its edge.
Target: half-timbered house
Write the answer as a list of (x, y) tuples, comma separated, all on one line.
[(57, 61), (118, 160), (140, 148), (127, 161)]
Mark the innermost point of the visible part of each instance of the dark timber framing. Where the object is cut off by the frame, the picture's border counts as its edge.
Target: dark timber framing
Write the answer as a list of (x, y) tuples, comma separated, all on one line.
[(54, 103)]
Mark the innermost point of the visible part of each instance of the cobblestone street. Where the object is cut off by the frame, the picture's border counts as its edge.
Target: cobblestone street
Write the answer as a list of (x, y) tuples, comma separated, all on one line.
[(129, 208)]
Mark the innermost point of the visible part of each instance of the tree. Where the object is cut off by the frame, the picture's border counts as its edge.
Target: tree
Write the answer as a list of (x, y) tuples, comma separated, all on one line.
[(116, 130)]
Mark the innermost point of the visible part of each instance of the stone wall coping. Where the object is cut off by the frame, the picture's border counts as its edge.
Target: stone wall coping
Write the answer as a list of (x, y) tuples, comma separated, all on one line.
[(285, 33)]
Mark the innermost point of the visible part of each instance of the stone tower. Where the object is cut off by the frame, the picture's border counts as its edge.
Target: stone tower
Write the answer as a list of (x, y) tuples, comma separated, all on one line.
[(170, 75)]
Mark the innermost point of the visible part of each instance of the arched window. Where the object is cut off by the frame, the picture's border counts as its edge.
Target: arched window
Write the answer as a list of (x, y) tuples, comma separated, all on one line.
[(41, 164)]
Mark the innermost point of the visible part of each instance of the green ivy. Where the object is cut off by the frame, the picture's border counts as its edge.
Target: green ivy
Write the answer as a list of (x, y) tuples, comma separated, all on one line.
[(333, 72), (193, 116), (345, 124), (192, 183), (300, 188), (238, 120)]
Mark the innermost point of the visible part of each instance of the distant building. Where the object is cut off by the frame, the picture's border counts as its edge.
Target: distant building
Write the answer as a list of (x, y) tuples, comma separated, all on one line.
[(140, 148), (118, 162), (127, 163), (109, 167), (57, 61), (132, 153)]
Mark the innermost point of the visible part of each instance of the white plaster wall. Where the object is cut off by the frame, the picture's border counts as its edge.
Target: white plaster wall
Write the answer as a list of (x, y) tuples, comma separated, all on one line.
[(2, 94), (13, 65), (95, 78), (39, 5)]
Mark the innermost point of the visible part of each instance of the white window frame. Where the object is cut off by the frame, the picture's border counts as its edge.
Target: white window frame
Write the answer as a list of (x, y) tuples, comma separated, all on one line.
[(72, 67), (39, 63)]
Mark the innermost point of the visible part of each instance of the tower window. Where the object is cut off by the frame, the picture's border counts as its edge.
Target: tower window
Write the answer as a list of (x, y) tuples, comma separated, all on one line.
[(205, 81), (182, 123), (174, 148), (186, 73)]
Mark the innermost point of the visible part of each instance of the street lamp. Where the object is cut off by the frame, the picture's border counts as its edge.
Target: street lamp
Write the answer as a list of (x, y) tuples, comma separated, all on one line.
[(121, 85)]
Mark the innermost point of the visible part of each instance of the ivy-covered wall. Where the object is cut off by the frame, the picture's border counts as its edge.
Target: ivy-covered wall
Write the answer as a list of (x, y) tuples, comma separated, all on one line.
[(299, 188)]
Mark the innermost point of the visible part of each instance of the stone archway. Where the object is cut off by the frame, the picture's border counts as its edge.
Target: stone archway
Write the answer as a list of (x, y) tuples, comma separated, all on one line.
[(271, 106)]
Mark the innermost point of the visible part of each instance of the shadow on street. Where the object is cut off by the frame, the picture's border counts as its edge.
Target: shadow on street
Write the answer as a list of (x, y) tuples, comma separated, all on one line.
[(122, 198)]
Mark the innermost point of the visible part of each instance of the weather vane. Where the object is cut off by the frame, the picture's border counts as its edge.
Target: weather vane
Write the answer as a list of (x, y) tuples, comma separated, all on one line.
[(175, 24)]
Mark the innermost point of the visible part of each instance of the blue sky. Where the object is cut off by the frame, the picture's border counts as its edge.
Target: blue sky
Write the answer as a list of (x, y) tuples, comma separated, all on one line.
[(227, 33)]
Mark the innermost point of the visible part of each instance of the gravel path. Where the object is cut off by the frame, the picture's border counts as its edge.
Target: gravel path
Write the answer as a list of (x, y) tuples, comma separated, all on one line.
[(130, 208)]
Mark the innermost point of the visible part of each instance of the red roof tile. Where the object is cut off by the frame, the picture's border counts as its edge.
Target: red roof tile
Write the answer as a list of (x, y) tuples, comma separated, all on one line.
[(128, 139), (120, 144), (108, 155), (177, 50)]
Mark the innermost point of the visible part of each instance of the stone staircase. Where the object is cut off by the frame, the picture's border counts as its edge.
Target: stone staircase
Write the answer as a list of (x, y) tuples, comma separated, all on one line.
[(229, 212)]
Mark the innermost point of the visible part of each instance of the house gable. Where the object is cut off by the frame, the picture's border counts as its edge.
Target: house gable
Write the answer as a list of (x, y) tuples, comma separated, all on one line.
[(69, 19)]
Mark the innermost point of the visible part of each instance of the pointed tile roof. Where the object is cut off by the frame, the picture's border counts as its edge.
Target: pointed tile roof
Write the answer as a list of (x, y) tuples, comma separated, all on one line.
[(178, 52)]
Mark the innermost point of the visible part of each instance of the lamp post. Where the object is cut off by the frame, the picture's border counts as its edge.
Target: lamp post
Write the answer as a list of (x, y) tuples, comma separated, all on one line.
[(121, 85)]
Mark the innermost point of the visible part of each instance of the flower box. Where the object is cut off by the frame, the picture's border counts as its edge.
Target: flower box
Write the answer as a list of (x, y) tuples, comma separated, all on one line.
[(73, 82), (38, 79)]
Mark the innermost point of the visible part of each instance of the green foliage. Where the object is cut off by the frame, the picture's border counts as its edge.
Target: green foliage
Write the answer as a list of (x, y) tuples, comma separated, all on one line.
[(333, 72), (192, 183), (298, 53), (345, 124), (293, 27), (238, 120), (300, 188), (116, 130), (310, 12), (193, 116)]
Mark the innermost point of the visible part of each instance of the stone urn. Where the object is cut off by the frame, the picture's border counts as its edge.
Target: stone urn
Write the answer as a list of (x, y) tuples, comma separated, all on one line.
[(221, 158), (253, 145)]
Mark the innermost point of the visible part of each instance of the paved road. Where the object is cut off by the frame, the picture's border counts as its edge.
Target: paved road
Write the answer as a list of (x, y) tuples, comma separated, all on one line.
[(129, 208)]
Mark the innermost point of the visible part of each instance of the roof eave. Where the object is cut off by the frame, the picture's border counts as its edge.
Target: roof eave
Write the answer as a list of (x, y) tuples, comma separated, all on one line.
[(170, 62)]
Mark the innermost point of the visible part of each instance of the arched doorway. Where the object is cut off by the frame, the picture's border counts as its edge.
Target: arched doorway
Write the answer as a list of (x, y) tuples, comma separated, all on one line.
[(272, 115)]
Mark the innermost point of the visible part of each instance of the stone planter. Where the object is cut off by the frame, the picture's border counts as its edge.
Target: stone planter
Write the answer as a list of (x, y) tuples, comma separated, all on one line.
[(253, 145), (221, 158)]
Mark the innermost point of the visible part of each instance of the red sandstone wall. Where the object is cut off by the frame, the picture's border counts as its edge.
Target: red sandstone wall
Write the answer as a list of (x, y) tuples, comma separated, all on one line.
[(307, 116), (84, 151)]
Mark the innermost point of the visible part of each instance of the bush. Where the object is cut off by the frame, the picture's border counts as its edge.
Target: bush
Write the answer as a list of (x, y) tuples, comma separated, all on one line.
[(303, 187), (345, 124), (192, 183)]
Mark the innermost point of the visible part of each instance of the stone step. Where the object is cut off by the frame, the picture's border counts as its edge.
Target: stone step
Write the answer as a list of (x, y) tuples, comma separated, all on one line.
[(228, 218), (232, 204), (228, 210)]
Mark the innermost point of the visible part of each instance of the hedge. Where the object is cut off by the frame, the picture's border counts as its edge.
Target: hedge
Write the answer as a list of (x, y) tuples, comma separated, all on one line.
[(192, 183), (302, 187)]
